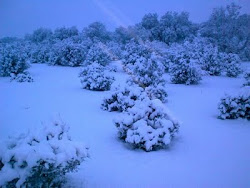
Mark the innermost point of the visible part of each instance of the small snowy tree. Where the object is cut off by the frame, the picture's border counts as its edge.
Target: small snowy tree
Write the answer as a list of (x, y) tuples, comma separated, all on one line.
[(67, 53), (123, 98), (212, 62), (148, 72), (122, 35), (97, 31), (133, 51), (185, 70), (95, 77), (40, 158), (175, 27), (235, 106), (98, 53), (13, 60), (40, 35), (232, 64), (40, 53), (157, 91), (148, 125)]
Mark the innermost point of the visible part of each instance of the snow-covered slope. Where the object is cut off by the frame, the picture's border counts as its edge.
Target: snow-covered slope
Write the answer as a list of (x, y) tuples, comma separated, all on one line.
[(208, 152)]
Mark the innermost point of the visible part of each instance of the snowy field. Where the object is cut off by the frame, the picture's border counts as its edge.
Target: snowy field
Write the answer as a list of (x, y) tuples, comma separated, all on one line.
[(208, 152)]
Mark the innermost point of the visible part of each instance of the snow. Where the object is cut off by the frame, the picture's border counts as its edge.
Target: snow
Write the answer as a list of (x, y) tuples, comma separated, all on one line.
[(208, 152)]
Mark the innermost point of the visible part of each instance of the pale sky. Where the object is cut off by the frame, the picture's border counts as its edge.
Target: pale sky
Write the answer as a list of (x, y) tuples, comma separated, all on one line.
[(18, 17)]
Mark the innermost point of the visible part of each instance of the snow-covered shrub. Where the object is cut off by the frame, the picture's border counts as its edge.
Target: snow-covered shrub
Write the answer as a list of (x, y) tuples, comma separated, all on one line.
[(232, 64), (97, 53), (247, 78), (206, 54), (148, 125), (22, 77), (157, 92), (123, 98), (67, 53), (12, 60), (185, 70), (133, 51), (212, 62), (166, 60), (40, 158), (235, 106), (40, 53), (148, 71), (95, 77)]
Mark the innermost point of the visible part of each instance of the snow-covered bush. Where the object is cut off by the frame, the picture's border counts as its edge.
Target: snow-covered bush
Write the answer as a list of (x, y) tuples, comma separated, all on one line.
[(40, 158), (247, 78), (166, 60), (232, 64), (95, 77), (133, 51), (148, 125), (212, 62), (235, 106), (123, 98), (157, 92), (185, 70), (148, 71), (67, 53), (97, 53), (40, 53), (22, 77), (12, 60)]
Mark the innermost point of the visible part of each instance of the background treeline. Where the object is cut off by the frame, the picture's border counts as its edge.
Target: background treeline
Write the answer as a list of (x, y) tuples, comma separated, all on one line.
[(215, 46), (227, 28)]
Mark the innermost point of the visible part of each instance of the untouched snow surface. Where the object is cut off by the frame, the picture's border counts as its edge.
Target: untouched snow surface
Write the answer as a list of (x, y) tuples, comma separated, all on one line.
[(208, 152)]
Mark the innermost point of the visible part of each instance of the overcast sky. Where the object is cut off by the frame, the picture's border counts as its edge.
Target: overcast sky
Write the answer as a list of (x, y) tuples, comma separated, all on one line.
[(18, 17)]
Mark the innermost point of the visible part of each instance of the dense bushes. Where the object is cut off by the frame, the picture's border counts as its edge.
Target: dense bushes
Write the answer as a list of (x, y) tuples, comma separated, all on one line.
[(95, 77), (229, 29), (40, 158), (13, 60), (235, 106), (147, 125)]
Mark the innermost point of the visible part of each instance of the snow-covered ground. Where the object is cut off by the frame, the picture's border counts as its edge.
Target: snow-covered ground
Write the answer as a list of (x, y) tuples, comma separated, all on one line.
[(208, 152)]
